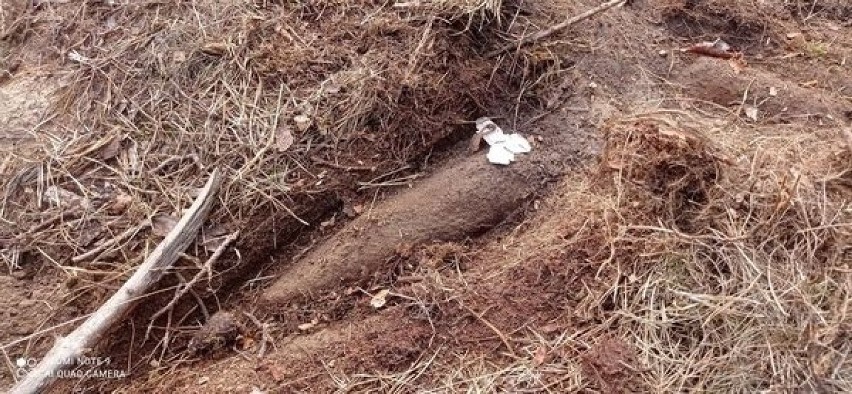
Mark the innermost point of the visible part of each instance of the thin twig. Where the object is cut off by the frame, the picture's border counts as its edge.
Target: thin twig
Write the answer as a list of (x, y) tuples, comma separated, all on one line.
[(176, 159), (206, 269), (344, 167), (555, 28), (492, 327), (94, 253), (264, 332)]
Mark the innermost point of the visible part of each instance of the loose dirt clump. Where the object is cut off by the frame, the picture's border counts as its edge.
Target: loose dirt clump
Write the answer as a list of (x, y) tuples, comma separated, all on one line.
[(670, 173), (220, 330)]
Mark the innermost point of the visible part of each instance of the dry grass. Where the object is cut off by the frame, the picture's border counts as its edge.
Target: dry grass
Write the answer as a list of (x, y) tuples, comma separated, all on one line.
[(755, 294), (161, 92), (723, 265), (724, 275)]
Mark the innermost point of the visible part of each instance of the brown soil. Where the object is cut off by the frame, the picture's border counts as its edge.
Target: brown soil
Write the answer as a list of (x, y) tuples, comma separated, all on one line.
[(776, 99), (657, 239), (26, 100)]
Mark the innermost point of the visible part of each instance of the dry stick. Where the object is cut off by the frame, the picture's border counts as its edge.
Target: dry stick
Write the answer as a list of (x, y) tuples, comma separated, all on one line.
[(108, 244), (555, 28), (265, 337), (88, 334), (492, 327), (207, 269)]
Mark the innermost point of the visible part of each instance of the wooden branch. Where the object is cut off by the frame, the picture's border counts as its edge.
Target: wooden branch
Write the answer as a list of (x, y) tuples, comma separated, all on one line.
[(87, 335), (555, 28)]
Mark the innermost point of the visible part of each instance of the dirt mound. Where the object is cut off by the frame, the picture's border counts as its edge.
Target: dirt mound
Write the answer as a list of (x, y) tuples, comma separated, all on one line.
[(673, 173)]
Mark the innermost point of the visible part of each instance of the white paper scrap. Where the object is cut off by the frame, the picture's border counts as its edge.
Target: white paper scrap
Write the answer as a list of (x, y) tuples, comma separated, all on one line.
[(503, 146)]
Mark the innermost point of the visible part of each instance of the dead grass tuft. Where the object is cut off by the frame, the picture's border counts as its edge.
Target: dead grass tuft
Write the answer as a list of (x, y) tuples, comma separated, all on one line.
[(754, 294)]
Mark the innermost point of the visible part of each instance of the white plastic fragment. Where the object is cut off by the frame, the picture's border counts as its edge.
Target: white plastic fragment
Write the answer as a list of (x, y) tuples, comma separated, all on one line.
[(500, 155), (517, 144), (504, 146)]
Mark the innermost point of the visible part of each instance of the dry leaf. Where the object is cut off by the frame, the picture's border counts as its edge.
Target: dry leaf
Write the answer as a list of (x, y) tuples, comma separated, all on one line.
[(380, 299), (161, 225), (773, 91), (283, 138)]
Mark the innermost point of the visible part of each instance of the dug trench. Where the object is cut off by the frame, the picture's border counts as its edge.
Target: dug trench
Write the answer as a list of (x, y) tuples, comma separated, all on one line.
[(322, 270), (463, 198), (321, 277)]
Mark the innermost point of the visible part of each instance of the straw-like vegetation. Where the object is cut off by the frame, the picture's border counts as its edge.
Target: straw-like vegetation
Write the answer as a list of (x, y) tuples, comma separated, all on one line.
[(292, 100)]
